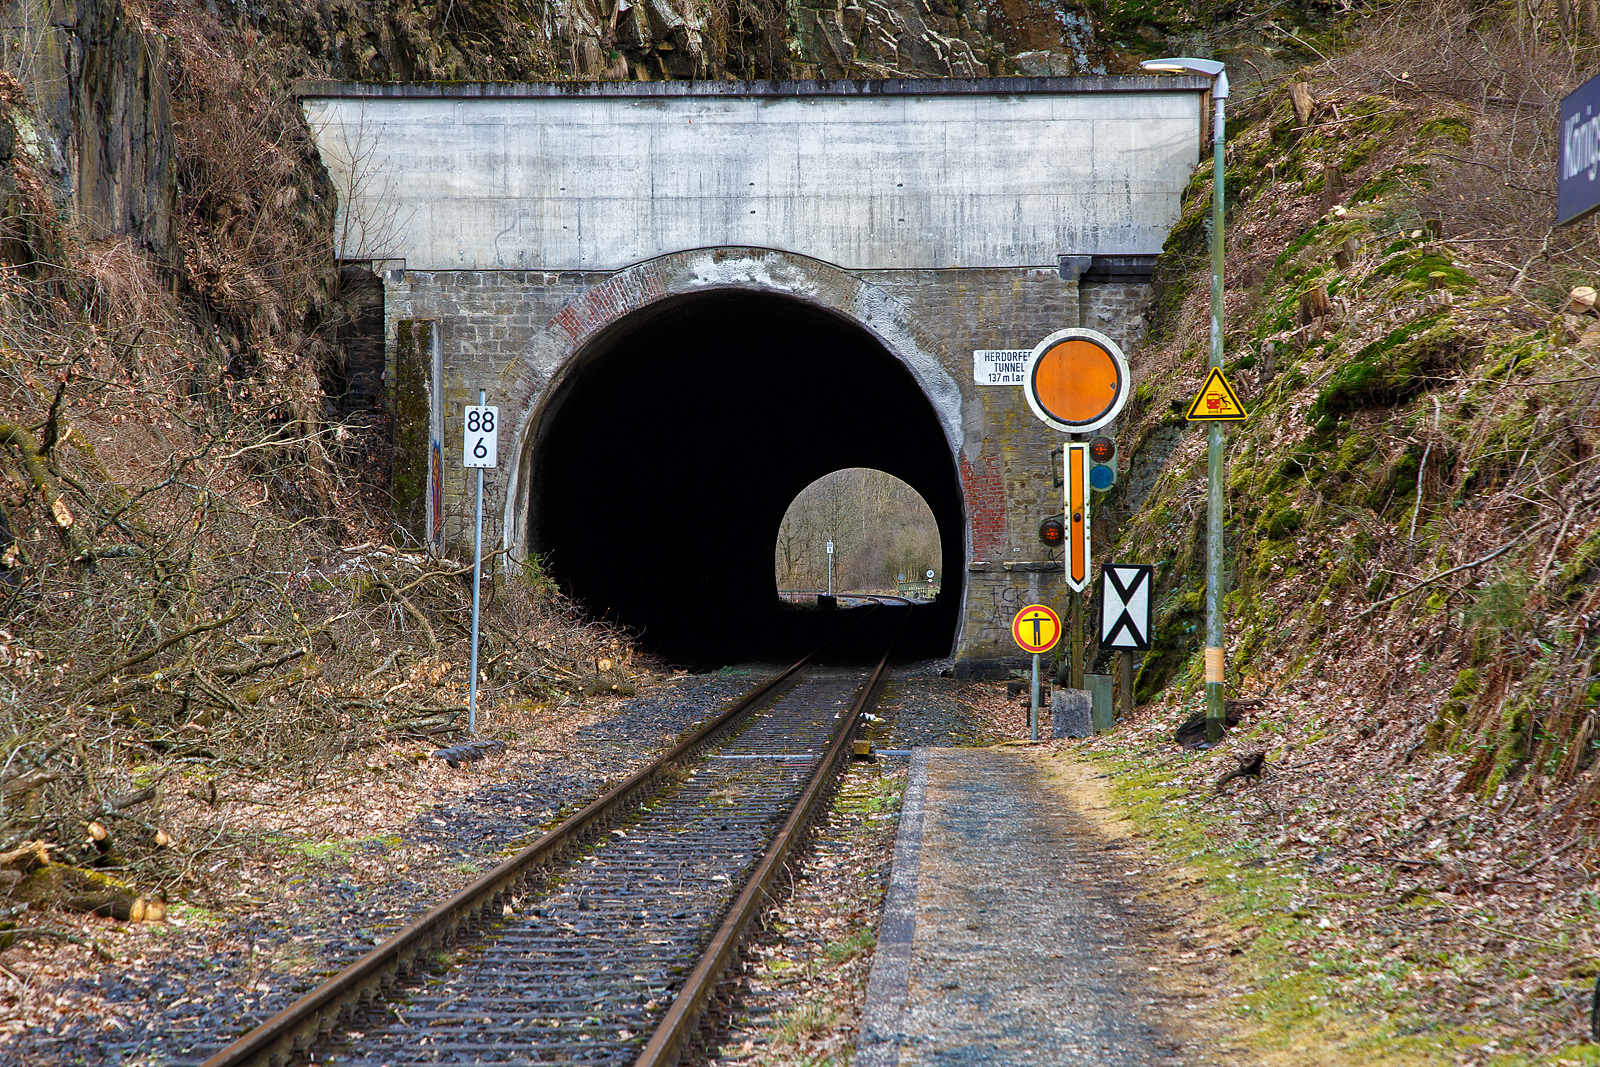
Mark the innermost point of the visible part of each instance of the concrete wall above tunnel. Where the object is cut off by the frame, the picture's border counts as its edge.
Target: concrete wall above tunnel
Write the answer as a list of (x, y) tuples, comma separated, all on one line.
[(871, 175)]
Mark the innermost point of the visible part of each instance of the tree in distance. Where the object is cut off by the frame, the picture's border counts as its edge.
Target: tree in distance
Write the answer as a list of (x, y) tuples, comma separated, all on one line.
[(880, 528)]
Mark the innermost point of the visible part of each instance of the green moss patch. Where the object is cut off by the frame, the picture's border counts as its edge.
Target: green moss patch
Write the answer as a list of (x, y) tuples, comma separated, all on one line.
[(1451, 128), (1392, 369), (1417, 271)]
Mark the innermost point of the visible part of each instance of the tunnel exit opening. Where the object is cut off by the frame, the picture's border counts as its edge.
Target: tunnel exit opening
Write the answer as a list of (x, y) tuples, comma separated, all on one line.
[(885, 539), (666, 457)]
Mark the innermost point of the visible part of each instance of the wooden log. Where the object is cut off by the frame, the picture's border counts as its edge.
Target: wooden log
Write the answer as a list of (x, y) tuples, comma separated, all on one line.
[(1302, 100), (79, 889), (26, 857)]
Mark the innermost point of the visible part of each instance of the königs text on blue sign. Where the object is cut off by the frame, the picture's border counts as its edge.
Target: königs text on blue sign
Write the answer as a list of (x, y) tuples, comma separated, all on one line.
[(1578, 176)]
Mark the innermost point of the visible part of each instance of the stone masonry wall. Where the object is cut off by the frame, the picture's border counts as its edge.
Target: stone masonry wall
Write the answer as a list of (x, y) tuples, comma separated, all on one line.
[(1004, 456), (1117, 309), (490, 321), (487, 320)]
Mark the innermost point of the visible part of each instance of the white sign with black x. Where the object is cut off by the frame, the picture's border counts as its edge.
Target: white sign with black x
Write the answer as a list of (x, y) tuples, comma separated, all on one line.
[(1125, 606)]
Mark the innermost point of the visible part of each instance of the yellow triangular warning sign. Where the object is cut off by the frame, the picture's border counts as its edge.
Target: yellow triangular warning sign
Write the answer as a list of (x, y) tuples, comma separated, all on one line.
[(1216, 401)]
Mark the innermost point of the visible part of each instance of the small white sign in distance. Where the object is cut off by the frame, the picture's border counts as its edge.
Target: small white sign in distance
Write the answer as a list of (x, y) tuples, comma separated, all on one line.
[(1125, 606), (480, 437), (999, 366)]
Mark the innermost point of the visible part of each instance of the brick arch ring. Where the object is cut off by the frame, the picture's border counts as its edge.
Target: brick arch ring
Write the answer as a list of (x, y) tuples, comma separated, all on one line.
[(529, 387)]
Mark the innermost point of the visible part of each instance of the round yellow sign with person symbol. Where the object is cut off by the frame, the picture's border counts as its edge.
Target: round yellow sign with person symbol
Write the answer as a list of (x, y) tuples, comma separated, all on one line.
[(1036, 628)]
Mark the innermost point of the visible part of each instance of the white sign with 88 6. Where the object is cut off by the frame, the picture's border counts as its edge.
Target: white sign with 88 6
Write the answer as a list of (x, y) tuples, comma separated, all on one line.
[(480, 439)]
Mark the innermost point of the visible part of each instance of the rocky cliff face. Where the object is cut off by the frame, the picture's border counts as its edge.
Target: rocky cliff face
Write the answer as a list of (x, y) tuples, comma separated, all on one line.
[(99, 122), (646, 40)]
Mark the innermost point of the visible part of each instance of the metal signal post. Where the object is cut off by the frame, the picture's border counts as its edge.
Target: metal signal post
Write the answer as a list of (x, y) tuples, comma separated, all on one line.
[(480, 440), (1036, 629), (1215, 655), (1075, 501), (1076, 381)]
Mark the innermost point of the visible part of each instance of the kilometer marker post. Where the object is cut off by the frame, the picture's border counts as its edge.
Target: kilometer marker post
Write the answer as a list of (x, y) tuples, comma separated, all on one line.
[(480, 441)]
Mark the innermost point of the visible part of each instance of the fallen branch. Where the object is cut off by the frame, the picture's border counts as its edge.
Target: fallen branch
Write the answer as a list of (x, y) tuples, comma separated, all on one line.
[(33, 466), (26, 783), (1528, 385), (1480, 561), (1250, 766), (385, 667), (127, 800), (239, 670), (1519, 872), (170, 676), (105, 672), (416, 613)]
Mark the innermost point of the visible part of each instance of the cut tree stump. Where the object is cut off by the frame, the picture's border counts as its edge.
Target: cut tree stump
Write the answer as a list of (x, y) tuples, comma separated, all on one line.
[(1315, 305), (1332, 187)]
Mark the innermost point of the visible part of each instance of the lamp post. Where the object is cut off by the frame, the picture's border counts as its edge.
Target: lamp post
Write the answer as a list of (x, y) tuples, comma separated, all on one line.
[(1215, 713)]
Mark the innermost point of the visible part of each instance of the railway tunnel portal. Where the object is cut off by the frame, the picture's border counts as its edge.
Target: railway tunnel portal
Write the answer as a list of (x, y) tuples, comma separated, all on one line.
[(690, 300)]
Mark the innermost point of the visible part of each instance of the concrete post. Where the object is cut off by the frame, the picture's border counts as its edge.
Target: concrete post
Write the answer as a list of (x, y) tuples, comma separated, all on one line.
[(1070, 714)]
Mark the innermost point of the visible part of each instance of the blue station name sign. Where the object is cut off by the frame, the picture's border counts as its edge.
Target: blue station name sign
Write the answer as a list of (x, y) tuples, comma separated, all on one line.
[(1578, 175)]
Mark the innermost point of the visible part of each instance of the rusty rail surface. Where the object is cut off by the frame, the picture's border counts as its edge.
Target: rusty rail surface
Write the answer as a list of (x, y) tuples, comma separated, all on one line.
[(319, 1011), (668, 1042)]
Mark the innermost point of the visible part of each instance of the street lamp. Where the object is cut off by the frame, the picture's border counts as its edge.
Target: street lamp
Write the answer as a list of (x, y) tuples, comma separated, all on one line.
[(1215, 714)]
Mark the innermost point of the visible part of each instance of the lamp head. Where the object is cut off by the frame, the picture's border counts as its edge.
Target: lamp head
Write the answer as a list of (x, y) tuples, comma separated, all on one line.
[(1209, 68)]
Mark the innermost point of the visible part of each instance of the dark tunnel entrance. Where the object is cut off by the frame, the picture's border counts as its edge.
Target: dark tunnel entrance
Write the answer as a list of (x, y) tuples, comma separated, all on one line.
[(664, 464)]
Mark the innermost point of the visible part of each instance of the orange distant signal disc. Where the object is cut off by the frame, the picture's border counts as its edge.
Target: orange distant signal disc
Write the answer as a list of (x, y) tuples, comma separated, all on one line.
[(1076, 380)]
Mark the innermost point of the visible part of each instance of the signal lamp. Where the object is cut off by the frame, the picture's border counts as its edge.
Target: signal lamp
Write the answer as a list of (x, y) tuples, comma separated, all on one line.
[(1053, 532), (1102, 463)]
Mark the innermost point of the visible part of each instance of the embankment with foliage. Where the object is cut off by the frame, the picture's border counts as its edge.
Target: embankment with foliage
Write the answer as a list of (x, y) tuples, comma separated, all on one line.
[(1413, 534)]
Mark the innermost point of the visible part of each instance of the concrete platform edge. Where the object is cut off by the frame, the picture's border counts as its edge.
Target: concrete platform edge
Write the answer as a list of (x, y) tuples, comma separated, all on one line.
[(884, 1010)]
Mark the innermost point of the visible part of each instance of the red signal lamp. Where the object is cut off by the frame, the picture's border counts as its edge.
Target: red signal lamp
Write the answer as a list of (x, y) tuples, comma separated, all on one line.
[(1102, 463), (1053, 532)]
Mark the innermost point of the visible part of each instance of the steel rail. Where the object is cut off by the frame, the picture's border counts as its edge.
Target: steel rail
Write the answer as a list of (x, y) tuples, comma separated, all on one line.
[(319, 1011), (666, 1045)]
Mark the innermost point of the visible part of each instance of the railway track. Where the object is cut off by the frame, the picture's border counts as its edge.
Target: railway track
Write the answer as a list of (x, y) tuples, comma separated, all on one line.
[(887, 600), (602, 942)]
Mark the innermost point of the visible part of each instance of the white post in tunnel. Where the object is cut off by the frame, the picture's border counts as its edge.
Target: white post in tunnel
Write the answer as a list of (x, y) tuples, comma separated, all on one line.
[(830, 568)]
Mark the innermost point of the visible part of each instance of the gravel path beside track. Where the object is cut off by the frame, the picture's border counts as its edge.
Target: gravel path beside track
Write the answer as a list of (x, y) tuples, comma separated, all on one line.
[(1009, 939)]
